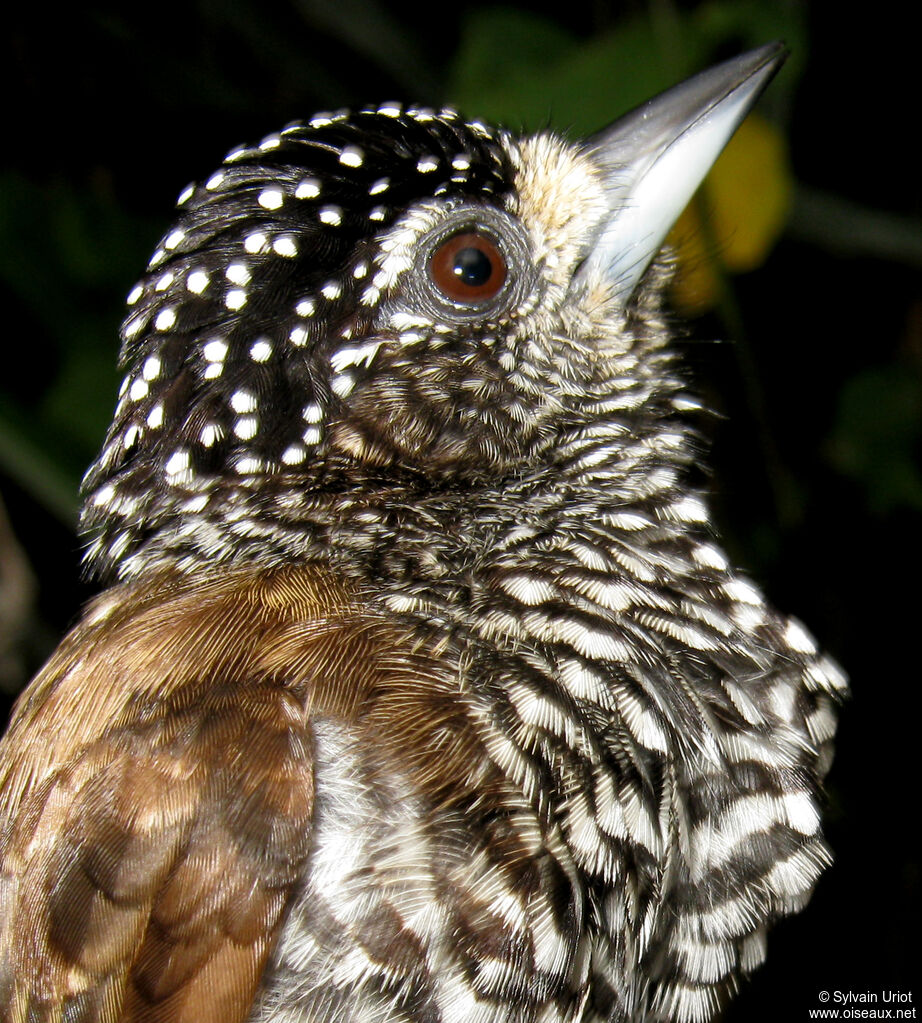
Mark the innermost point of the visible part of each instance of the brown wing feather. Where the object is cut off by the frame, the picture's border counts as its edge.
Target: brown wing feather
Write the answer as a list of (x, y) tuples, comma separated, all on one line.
[(149, 874), (156, 787), (154, 818)]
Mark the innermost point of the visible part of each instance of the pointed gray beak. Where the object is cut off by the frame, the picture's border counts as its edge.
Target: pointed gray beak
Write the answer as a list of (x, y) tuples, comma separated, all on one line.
[(654, 158)]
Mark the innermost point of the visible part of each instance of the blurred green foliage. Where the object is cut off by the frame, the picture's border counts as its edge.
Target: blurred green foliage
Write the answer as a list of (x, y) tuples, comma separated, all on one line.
[(876, 437), (527, 71), (62, 256)]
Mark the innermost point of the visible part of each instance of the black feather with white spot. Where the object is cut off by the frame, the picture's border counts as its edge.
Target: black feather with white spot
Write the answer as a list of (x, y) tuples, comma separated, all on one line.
[(229, 337)]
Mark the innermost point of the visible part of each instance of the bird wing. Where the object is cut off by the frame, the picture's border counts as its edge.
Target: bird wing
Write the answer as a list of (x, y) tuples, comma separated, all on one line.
[(155, 812), (145, 878)]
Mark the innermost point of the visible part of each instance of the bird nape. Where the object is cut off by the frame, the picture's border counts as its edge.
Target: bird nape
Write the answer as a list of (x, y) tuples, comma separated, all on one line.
[(421, 690)]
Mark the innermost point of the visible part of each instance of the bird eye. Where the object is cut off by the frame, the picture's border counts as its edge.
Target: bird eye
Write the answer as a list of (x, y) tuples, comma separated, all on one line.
[(468, 268)]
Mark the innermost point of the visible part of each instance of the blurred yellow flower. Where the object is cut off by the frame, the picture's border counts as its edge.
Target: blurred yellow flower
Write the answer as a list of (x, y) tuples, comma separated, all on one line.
[(736, 217)]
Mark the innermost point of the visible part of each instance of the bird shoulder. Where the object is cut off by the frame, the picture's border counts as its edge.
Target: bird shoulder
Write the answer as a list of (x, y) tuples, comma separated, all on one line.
[(157, 787)]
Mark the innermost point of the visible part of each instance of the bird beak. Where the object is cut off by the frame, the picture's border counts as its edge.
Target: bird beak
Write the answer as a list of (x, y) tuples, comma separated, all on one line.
[(654, 158)]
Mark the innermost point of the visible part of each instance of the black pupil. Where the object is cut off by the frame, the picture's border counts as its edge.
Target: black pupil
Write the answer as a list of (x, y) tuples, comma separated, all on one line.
[(472, 267)]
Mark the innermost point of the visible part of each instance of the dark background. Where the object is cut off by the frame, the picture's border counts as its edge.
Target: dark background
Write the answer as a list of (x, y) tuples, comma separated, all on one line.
[(109, 109)]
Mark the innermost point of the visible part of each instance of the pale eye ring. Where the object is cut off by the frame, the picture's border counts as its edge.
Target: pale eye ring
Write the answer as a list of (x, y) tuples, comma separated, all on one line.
[(468, 268), (473, 267)]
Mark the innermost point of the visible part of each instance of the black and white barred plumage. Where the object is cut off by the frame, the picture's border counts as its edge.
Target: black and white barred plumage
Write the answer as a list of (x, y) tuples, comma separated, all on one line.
[(634, 796)]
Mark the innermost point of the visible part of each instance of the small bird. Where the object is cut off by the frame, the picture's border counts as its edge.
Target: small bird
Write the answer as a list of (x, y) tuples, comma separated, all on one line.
[(421, 690)]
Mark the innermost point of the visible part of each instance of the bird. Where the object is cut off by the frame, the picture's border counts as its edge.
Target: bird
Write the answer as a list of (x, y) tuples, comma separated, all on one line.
[(419, 688)]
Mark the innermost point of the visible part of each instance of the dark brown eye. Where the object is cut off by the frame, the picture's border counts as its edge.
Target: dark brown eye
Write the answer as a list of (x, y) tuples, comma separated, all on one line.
[(468, 268)]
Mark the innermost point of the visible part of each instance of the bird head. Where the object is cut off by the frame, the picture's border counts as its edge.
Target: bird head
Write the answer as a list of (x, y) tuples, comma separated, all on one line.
[(396, 295)]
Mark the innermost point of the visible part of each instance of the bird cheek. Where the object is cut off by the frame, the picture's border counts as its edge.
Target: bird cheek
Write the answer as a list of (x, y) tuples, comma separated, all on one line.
[(385, 426)]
